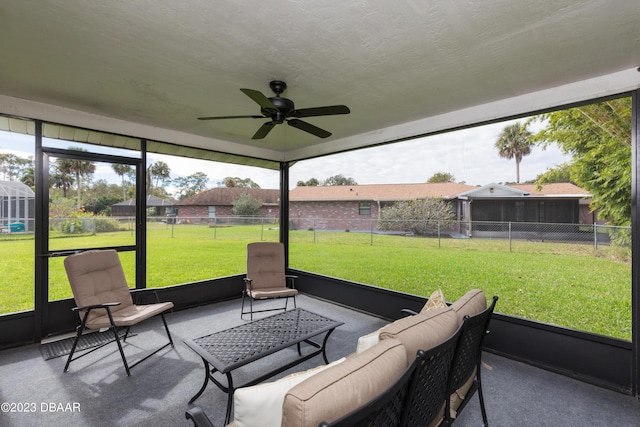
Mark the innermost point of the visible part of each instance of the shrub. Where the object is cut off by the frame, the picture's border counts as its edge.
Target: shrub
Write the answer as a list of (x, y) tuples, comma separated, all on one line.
[(421, 217), (105, 225)]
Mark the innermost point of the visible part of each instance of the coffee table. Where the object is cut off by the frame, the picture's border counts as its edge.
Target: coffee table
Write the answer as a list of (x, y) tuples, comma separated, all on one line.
[(233, 348)]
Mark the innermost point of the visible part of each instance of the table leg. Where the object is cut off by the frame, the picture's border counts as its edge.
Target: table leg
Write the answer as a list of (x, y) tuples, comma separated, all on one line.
[(324, 346), (230, 392), (204, 385)]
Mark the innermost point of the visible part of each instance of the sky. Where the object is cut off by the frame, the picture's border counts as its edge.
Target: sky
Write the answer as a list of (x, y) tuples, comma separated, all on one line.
[(469, 155)]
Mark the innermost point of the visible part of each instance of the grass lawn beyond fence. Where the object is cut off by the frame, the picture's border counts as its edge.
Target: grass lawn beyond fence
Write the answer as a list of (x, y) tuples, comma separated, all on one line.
[(563, 284)]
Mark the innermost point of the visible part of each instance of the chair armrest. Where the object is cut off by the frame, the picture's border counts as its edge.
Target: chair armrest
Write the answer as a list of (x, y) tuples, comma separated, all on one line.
[(91, 307), (198, 417)]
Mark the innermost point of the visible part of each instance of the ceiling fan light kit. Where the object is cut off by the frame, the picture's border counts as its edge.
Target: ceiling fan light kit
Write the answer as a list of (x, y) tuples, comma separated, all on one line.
[(280, 110)]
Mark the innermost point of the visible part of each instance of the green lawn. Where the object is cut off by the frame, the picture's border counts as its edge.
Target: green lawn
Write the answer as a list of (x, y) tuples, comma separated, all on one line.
[(568, 285)]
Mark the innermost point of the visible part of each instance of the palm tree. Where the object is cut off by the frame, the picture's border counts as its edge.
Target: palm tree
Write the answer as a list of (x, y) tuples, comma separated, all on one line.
[(122, 170), (60, 179), (514, 142), (157, 173), (79, 168)]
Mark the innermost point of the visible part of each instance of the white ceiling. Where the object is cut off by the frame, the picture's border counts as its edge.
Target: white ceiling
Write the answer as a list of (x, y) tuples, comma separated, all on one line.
[(149, 68)]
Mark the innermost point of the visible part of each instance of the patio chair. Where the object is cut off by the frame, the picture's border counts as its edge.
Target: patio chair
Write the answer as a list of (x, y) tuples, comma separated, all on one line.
[(104, 300), (266, 277), (467, 362), (416, 399)]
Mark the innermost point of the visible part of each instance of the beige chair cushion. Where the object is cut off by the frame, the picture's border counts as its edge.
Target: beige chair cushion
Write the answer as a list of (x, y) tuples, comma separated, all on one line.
[(96, 277), (470, 304), (261, 405), (129, 316), (458, 396), (436, 300), (280, 292), (422, 331), (265, 265), (341, 389)]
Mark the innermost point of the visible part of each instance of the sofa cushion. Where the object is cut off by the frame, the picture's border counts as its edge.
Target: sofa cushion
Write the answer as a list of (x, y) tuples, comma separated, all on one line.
[(458, 396), (436, 300), (471, 303), (336, 391), (261, 405), (422, 331)]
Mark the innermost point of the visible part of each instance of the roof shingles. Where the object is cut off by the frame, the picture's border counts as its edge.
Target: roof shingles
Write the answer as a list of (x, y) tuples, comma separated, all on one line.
[(381, 192)]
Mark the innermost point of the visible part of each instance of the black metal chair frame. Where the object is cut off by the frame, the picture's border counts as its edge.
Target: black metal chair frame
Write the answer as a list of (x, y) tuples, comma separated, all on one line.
[(245, 293), (429, 386), (82, 327), (198, 417), (468, 357), (416, 398)]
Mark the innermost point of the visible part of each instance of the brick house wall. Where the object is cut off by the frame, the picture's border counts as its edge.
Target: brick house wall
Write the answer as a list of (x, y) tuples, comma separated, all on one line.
[(201, 213), (332, 215)]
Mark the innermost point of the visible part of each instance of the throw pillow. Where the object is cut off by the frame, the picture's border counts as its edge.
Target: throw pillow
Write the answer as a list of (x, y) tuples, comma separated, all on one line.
[(367, 341), (436, 300), (261, 404)]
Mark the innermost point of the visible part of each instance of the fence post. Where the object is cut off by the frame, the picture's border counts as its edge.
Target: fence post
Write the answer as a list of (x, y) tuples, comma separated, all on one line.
[(371, 233), (510, 236), (438, 234), (595, 236), (262, 229), (314, 230)]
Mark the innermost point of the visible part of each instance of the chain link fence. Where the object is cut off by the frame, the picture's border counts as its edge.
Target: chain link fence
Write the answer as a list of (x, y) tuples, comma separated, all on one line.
[(479, 235), (484, 235)]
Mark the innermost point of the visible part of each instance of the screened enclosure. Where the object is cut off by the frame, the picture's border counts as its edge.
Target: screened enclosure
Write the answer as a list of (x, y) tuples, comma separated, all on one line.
[(17, 207)]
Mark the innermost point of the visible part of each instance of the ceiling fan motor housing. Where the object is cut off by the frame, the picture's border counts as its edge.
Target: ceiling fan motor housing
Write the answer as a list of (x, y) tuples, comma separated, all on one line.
[(284, 106)]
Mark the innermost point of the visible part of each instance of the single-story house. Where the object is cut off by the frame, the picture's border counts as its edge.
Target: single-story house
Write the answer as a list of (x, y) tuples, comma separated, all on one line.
[(353, 207), (128, 207), (218, 202)]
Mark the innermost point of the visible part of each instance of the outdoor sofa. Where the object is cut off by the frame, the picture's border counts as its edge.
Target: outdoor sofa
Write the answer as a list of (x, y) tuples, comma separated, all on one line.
[(329, 392)]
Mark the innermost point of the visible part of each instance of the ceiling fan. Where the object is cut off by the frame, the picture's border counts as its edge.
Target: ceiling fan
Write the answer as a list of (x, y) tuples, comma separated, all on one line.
[(281, 110)]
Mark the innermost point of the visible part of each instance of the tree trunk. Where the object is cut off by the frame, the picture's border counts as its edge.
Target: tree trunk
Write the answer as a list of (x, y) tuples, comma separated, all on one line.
[(78, 192)]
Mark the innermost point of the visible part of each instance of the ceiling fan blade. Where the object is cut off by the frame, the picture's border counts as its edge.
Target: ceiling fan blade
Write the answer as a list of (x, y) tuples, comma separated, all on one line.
[(230, 117), (308, 127), (263, 131), (259, 98), (320, 111)]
